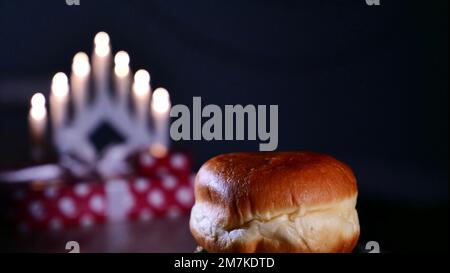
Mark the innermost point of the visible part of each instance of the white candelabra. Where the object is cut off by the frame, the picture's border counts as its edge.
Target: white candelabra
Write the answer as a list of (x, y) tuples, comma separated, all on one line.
[(71, 137)]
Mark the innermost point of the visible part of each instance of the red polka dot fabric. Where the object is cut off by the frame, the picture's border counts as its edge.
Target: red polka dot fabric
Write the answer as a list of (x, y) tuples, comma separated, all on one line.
[(161, 187)]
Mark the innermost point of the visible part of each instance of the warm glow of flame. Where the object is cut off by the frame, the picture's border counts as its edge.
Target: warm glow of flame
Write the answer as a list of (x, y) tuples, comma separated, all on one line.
[(121, 61), (38, 100), (141, 89), (80, 64), (161, 100), (141, 85), (158, 150), (60, 85), (142, 76), (102, 51), (121, 71), (101, 39), (101, 42), (38, 112)]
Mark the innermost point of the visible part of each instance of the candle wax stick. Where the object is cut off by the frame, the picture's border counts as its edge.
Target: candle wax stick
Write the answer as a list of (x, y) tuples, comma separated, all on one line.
[(122, 77), (160, 109), (79, 79), (101, 62), (58, 101), (37, 120), (141, 95)]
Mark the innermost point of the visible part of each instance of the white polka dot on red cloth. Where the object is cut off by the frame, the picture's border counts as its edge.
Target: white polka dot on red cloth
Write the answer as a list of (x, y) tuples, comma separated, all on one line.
[(51, 192), (55, 224), (145, 215), (87, 220), (147, 160), (178, 161), (36, 209), (169, 181), (184, 195), (82, 189), (156, 198), (141, 184), (67, 206), (97, 203)]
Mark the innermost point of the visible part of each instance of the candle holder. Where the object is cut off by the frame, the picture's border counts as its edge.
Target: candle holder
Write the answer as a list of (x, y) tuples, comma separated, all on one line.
[(72, 137)]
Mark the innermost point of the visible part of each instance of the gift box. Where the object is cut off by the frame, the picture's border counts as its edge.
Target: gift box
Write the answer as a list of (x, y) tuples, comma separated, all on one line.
[(158, 187)]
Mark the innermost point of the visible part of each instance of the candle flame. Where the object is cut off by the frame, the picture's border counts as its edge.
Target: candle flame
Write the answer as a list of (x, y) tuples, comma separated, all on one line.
[(121, 71), (101, 39), (161, 100), (38, 100), (38, 112), (122, 58), (142, 76), (60, 85), (101, 42), (141, 85), (158, 150), (141, 89), (80, 64), (121, 61), (102, 51)]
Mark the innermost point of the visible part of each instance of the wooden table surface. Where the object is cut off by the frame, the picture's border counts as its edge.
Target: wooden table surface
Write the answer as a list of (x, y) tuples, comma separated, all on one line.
[(156, 235)]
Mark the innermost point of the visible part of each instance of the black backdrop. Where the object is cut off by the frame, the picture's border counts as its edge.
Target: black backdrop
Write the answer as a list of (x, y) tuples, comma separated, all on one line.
[(367, 84)]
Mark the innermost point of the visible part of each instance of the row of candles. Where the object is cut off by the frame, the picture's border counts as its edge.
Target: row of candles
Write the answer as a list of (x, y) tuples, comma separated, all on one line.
[(79, 85)]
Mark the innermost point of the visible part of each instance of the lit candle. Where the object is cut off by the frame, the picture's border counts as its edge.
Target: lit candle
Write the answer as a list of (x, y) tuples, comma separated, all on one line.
[(37, 120), (58, 100), (122, 76), (79, 79), (160, 108), (101, 61), (141, 95)]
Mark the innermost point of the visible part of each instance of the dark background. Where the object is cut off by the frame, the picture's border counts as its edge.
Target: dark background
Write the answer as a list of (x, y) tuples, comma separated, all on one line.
[(367, 84)]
